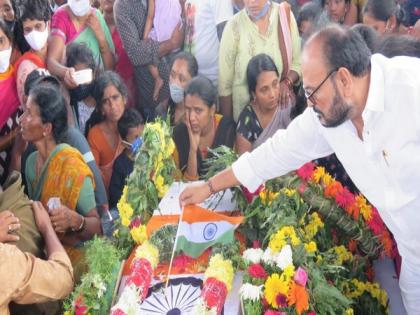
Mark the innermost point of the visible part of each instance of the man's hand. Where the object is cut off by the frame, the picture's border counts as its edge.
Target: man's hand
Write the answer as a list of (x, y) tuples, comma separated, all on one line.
[(194, 194), (8, 224)]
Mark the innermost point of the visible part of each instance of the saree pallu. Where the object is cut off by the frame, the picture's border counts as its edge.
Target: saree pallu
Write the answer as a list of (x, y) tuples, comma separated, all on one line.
[(9, 101), (62, 26)]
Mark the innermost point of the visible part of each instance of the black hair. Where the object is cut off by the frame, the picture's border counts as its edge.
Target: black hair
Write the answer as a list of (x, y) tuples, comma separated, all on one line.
[(52, 108), (130, 119), (6, 31), (203, 88), (323, 2), (33, 10), (399, 45), (102, 81), (191, 62), (382, 10), (344, 48), (310, 11), (80, 53), (256, 66), (38, 76), (369, 35)]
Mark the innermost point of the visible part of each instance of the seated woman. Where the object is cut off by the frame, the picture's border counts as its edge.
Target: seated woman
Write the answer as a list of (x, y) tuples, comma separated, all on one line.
[(78, 22), (9, 109), (264, 88), (202, 129), (33, 16), (80, 57), (58, 170), (184, 68), (102, 128)]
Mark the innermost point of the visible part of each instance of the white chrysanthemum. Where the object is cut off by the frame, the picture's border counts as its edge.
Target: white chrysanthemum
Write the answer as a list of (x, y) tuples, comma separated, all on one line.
[(253, 255), (251, 292), (99, 285), (285, 257), (200, 308), (268, 257), (128, 300)]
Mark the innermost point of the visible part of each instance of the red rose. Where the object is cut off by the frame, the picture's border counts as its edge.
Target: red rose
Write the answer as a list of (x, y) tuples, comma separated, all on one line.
[(257, 271), (80, 308)]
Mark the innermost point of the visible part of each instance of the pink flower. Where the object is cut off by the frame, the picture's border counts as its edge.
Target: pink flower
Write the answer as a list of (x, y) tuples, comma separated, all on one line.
[(136, 222), (251, 195), (301, 277), (272, 312), (80, 308), (182, 261), (257, 271), (118, 311), (375, 223), (311, 313), (344, 198), (256, 244), (305, 172), (302, 187)]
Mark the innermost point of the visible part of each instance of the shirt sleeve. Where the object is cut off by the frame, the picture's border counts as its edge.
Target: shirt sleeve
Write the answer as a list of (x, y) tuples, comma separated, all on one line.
[(227, 57), (286, 151), (223, 11), (141, 52), (296, 44), (27, 279), (86, 200)]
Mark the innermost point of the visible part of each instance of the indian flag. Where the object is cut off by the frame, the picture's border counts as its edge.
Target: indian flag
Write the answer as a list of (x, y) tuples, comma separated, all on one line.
[(201, 228)]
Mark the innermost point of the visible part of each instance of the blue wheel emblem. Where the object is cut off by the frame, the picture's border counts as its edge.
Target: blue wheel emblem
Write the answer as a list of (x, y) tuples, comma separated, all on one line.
[(210, 231)]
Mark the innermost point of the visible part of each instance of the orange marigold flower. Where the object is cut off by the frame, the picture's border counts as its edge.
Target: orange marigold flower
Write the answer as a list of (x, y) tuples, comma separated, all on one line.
[(299, 297), (333, 189)]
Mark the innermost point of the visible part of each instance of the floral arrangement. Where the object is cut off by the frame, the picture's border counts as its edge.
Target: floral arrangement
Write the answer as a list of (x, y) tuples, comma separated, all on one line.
[(218, 280), (152, 175), (138, 281), (356, 207), (94, 293)]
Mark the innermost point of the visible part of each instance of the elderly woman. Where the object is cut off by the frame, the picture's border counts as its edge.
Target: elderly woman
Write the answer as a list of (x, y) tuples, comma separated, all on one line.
[(260, 113), (184, 69), (256, 29), (78, 22), (202, 129)]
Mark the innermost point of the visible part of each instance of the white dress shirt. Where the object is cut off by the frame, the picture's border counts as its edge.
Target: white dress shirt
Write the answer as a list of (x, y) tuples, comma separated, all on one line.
[(385, 165)]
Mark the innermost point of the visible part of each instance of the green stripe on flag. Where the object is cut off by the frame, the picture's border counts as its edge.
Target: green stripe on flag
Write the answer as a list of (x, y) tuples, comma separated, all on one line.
[(196, 249)]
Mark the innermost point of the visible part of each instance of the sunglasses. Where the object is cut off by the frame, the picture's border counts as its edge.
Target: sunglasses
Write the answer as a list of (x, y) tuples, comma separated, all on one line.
[(311, 96)]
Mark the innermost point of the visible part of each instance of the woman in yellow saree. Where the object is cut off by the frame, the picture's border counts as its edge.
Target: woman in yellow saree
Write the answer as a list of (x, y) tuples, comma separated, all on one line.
[(59, 171)]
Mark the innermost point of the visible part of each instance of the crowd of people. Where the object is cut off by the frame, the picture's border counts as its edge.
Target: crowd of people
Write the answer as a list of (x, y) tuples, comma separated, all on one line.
[(80, 78)]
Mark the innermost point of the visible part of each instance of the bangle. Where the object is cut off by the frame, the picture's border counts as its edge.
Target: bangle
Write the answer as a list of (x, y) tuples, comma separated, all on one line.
[(212, 191), (288, 82), (81, 227)]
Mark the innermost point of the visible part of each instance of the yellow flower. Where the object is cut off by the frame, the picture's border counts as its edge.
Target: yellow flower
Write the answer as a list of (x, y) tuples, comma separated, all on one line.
[(273, 286), (279, 240), (288, 272), (327, 179), (160, 186), (68, 313), (349, 311), (289, 192), (220, 269), (170, 148), (312, 228), (342, 254), (124, 208), (139, 234), (365, 208), (149, 252), (311, 247), (318, 174), (267, 196)]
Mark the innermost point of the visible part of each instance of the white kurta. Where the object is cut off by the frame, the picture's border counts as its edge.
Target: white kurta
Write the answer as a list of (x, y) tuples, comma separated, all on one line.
[(385, 166)]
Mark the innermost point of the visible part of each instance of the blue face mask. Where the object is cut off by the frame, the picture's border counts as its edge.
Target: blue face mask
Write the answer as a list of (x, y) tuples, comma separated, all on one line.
[(262, 13), (177, 93), (135, 146)]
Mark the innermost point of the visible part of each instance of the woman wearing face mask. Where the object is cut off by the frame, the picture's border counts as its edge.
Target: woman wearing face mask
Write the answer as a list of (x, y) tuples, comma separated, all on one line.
[(78, 22), (202, 129), (33, 16), (252, 31), (9, 109), (102, 128), (386, 17), (80, 57), (184, 68)]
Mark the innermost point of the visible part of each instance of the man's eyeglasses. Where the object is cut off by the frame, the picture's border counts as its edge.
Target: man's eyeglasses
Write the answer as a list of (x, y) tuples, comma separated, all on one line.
[(310, 96)]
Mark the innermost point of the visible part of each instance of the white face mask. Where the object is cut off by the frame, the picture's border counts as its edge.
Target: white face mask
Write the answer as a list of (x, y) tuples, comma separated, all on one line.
[(36, 39), (79, 7), (5, 59)]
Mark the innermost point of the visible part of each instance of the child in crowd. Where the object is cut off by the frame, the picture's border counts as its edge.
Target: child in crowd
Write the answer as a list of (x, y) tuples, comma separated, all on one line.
[(130, 127), (162, 18)]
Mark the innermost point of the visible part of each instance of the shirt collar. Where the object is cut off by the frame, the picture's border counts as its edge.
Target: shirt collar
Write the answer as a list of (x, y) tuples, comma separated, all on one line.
[(376, 96)]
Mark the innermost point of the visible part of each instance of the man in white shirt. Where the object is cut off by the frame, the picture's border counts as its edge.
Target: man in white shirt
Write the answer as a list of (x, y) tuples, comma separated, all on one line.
[(205, 20), (366, 109)]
